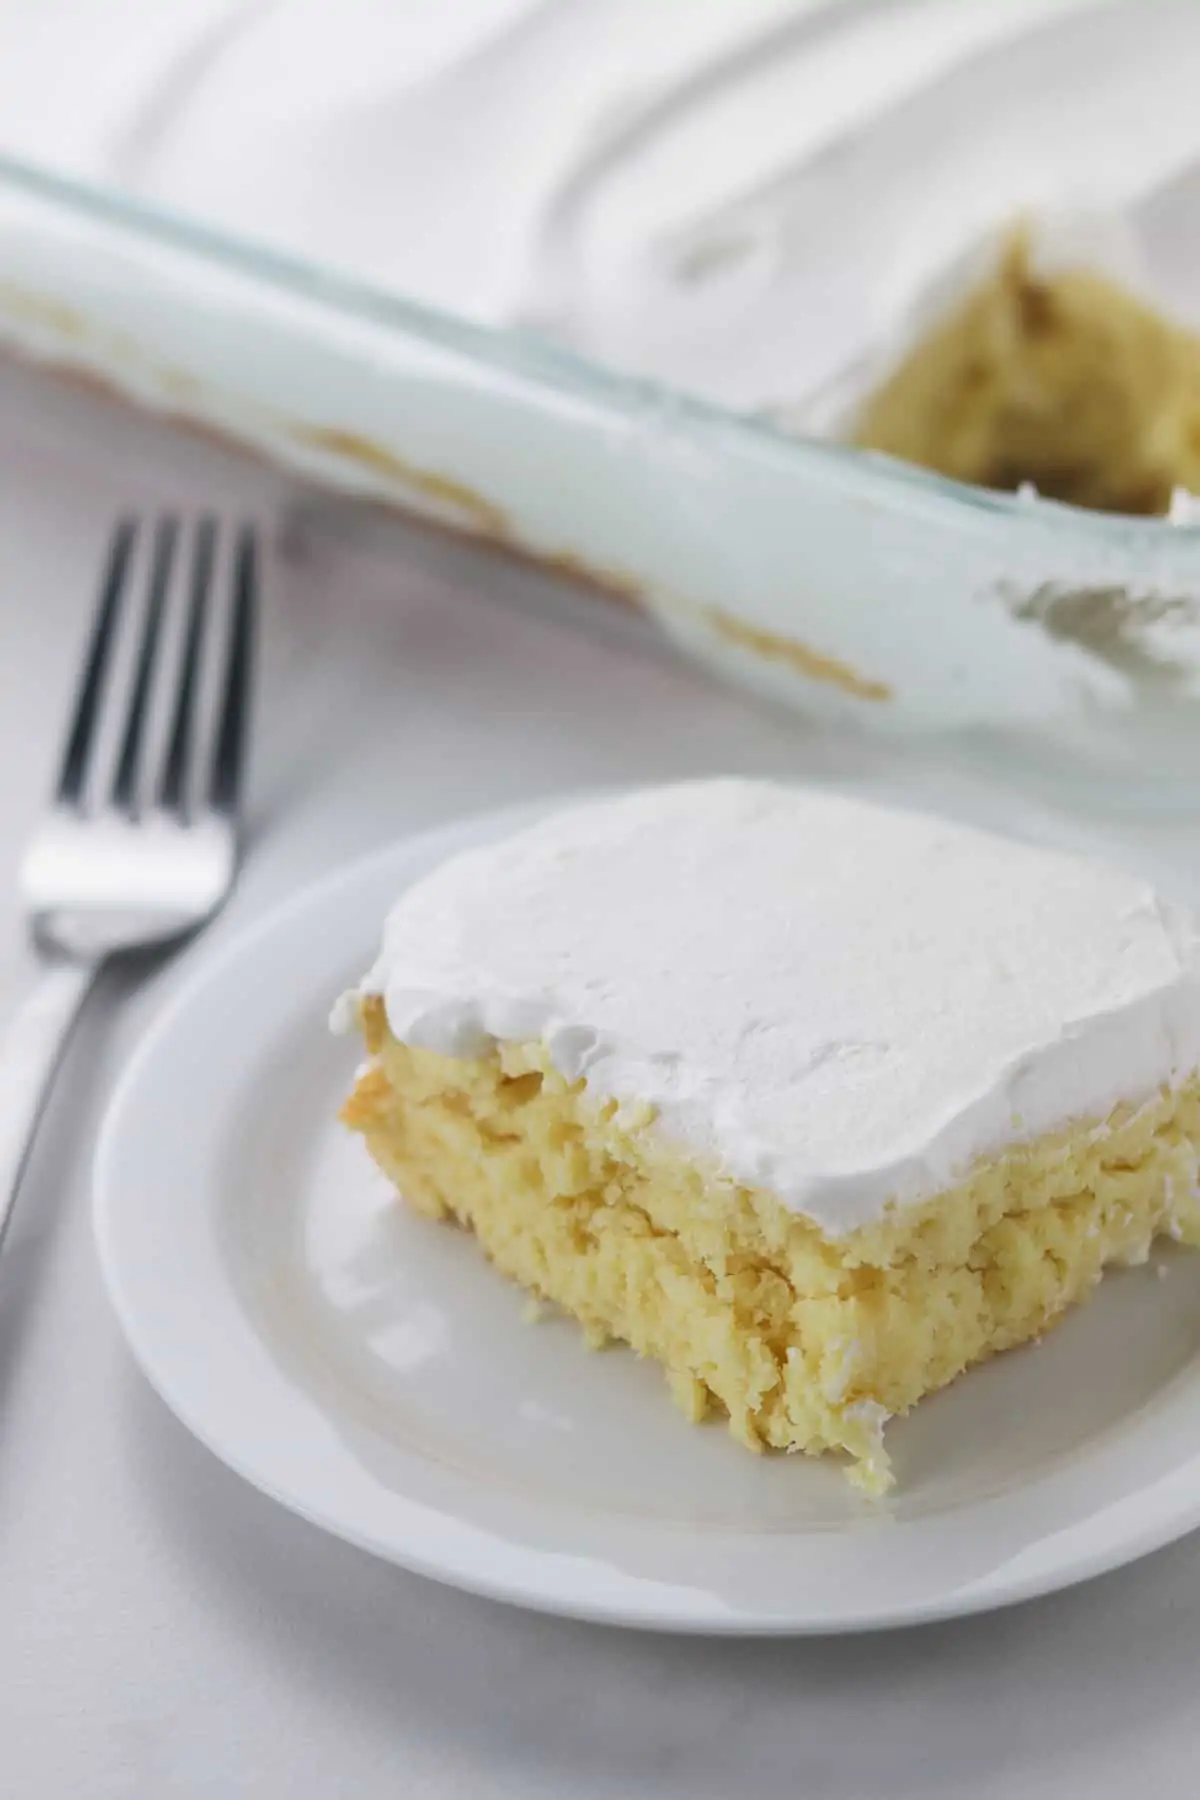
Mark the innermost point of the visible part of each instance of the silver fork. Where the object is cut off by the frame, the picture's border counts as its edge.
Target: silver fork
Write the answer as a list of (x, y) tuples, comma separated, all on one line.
[(139, 846)]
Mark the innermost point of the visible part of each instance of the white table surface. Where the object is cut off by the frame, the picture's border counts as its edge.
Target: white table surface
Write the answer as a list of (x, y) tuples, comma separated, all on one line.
[(168, 1633)]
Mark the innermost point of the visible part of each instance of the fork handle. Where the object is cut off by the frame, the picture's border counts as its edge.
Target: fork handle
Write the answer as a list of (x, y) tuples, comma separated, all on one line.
[(29, 1054)]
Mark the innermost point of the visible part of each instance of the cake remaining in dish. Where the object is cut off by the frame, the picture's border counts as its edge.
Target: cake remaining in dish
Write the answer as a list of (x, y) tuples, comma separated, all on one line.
[(1064, 380), (814, 1102)]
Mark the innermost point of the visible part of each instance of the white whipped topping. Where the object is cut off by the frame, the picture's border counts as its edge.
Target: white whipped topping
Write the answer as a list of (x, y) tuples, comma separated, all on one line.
[(741, 197), (841, 1003)]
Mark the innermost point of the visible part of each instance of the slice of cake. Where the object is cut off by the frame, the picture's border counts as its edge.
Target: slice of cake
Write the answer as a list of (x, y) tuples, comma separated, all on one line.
[(815, 1102)]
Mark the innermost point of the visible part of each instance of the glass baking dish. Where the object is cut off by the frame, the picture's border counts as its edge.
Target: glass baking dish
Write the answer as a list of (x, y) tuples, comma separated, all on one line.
[(843, 583)]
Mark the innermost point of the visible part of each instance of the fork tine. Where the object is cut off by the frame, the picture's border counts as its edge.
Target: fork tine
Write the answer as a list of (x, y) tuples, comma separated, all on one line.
[(230, 747), (95, 668), (125, 782), (173, 788)]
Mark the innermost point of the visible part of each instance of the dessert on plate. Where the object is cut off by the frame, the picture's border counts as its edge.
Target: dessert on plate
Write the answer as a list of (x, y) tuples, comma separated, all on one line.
[(816, 1103)]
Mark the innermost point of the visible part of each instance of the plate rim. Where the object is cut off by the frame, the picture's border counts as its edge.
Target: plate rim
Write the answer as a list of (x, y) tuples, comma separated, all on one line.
[(1176, 1513)]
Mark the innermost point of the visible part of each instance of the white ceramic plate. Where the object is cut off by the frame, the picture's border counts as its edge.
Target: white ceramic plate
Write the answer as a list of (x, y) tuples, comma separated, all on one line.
[(366, 1368)]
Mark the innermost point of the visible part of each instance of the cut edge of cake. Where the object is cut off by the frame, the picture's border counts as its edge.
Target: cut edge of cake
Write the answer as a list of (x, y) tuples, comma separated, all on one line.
[(806, 1342)]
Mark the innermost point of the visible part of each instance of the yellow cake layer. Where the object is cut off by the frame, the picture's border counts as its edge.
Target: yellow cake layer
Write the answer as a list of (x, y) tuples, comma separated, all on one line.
[(1064, 380), (804, 1342)]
